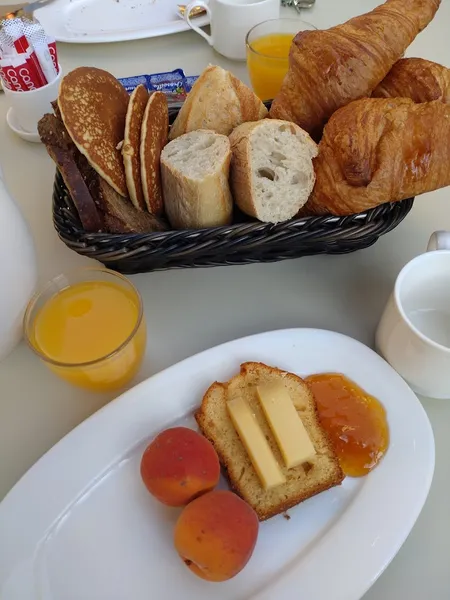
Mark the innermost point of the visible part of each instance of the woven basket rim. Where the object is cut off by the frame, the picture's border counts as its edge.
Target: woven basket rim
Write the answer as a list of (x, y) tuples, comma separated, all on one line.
[(235, 229)]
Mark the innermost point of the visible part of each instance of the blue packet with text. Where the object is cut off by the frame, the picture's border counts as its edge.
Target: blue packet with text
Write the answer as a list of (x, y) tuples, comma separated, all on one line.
[(174, 84), (131, 83), (189, 82)]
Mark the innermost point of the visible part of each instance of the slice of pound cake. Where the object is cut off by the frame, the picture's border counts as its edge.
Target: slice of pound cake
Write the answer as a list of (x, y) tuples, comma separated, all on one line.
[(319, 472)]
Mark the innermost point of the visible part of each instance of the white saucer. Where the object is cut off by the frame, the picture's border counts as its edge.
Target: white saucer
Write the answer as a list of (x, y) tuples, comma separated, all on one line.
[(14, 126)]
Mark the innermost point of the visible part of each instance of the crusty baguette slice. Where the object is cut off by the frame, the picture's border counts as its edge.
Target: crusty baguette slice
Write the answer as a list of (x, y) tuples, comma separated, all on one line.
[(272, 174), (217, 101), (302, 482), (194, 170)]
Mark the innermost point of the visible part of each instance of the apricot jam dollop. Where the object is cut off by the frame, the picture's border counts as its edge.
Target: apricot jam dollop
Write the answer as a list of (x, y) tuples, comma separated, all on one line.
[(355, 422)]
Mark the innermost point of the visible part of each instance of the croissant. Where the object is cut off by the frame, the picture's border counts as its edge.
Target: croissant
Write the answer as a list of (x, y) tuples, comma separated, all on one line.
[(377, 150), (330, 68), (416, 78)]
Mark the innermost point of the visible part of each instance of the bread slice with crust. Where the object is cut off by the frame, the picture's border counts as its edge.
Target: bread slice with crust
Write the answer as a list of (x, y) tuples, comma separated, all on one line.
[(318, 474), (194, 170), (62, 150), (218, 101), (272, 172)]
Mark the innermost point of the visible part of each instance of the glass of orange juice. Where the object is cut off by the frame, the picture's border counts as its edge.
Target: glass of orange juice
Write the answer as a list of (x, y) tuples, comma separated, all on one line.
[(268, 46), (89, 328)]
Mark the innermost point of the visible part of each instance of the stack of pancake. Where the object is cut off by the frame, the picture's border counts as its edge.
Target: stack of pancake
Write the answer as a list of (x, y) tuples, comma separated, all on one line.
[(107, 146)]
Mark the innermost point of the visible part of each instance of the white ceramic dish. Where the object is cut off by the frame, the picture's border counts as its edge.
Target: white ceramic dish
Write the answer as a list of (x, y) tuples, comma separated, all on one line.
[(97, 21), (14, 126), (80, 525)]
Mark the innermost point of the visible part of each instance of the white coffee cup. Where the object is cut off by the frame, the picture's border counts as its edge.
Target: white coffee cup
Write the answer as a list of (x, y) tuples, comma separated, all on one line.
[(29, 107), (414, 332), (231, 20)]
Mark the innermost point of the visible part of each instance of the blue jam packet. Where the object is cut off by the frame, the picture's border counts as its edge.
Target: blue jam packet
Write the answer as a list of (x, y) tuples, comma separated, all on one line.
[(162, 81), (189, 82), (174, 84), (131, 83)]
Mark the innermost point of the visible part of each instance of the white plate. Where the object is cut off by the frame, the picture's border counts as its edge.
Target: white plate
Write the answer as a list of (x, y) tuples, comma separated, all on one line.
[(80, 525), (97, 21)]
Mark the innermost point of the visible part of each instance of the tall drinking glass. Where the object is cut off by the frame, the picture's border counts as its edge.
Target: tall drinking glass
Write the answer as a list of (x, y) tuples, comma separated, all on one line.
[(268, 46), (88, 327)]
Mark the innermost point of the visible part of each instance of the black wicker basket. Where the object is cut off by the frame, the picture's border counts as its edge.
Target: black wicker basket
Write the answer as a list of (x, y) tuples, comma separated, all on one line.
[(241, 243)]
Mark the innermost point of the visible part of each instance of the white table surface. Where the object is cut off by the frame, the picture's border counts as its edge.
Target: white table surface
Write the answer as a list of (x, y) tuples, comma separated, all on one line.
[(191, 310)]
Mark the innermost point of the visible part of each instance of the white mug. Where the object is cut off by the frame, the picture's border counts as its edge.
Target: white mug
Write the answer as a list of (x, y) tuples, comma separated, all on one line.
[(414, 332), (30, 107), (231, 20)]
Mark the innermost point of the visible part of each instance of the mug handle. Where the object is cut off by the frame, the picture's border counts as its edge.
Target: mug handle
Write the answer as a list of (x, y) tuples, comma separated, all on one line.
[(187, 12), (439, 240)]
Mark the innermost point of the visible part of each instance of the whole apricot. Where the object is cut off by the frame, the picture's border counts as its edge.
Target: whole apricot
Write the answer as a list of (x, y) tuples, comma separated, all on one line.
[(179, 465), (216, 534)]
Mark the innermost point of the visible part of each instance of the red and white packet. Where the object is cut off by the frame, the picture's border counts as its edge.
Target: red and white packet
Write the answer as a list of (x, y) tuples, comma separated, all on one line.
[(16, 75), (28, 57), (41, 45), (15, 44)]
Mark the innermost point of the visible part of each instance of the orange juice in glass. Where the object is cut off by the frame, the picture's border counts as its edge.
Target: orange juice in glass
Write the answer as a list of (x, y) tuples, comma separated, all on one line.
[(268, 46), (88, 327)]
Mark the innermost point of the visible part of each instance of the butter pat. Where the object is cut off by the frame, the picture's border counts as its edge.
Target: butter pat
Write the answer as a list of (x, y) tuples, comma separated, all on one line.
[(258, 449), (286, 425)]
